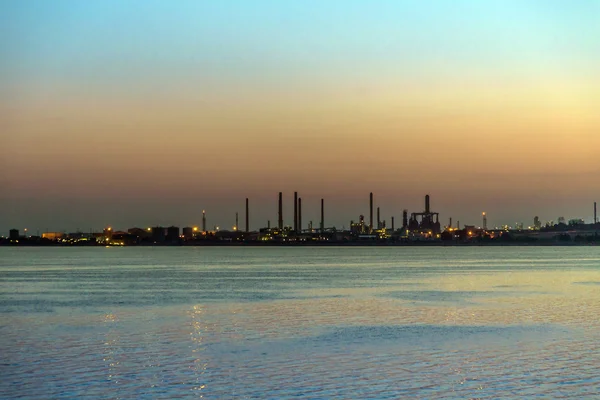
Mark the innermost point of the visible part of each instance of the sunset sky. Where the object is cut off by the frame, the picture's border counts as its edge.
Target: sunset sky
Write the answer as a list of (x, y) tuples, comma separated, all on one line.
[(140, 113)]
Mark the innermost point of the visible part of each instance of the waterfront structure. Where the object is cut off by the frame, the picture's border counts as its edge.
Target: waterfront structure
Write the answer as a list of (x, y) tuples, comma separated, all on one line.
[(426, 224), (322, 215), (296, 212), (280, 213), (247, 216), (187, 232), (299, 215), (370, 212), (421, 226), (158, 234), (52, 235), (172, 234)]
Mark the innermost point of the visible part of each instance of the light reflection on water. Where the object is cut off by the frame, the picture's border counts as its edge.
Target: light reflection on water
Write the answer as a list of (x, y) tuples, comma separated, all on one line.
[(311, 323)]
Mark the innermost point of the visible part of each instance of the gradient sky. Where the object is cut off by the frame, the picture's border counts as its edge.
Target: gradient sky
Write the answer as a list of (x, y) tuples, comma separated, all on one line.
[(137, 113)]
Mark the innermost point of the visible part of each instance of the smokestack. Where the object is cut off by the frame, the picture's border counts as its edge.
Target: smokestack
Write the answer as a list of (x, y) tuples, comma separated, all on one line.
[(236, 221), (378, 219), (203, 221), (405, 219), (371, 212), (392, 224), (299, 214), (296, 212), (450, 223), (595, 215), (280, 216), (322, 215), (427, 203), (247, 216)]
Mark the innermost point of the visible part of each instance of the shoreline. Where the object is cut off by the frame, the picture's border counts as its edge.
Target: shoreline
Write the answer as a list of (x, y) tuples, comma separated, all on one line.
[(332, 244)]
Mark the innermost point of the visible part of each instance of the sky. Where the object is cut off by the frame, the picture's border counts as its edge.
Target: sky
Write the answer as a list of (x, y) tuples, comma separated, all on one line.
[(145, 112)]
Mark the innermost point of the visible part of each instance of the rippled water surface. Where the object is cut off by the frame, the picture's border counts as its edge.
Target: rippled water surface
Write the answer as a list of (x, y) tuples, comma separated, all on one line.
[(281, 323)]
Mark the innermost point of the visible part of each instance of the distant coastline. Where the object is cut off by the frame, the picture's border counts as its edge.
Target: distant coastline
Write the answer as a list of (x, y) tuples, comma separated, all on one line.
[(322, 244)]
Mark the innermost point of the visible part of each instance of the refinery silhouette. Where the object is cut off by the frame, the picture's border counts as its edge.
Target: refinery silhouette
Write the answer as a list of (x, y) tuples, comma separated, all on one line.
[(416, 228)]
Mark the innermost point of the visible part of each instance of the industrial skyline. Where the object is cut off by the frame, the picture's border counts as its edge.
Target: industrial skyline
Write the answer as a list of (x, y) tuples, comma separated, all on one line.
[(424, 219), (131, 113)]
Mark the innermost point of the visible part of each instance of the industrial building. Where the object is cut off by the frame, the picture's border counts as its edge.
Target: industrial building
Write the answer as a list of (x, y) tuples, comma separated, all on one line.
[(423, 226), (423, 222)]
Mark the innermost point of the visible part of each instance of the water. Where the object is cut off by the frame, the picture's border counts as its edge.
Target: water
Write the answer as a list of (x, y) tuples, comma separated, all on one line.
[(282, 323)]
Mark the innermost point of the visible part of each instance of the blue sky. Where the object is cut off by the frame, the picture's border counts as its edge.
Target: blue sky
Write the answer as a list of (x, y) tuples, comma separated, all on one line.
[(96, 40)]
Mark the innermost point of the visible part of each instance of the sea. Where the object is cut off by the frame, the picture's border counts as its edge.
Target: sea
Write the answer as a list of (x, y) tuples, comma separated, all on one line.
[(300, 322)]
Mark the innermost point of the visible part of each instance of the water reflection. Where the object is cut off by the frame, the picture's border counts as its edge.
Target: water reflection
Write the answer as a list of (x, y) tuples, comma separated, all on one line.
[(112, 350), (322, 323), (200, 363)]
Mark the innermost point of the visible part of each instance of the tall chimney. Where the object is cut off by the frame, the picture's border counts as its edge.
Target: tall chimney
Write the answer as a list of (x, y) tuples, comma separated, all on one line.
[(203, 221), (322, 215), (378, 219), (280, 216), (405, 219), (450, 223), (371, 212), (392, 224), (296, 212), (427, 203), (595, 215), (247, 216), (236, 220), (299, 214)]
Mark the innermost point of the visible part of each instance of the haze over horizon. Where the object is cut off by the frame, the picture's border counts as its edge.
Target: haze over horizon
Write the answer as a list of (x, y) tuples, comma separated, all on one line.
[(143, 113)]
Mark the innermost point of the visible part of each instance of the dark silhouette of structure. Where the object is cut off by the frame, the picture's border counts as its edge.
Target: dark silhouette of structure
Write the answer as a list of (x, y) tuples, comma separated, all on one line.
[(247, 216), (296, 212), (426, 223), (172, 234), (158, 234), (420, 227), (322, 215), (280, 215), (300, 214), (187, 232), (370, 212)]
